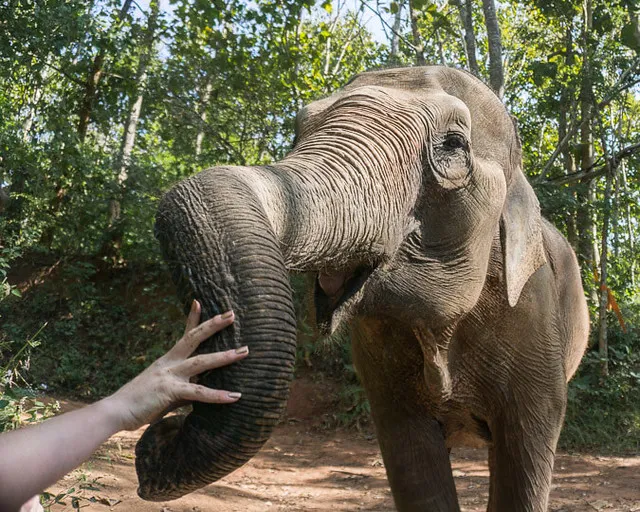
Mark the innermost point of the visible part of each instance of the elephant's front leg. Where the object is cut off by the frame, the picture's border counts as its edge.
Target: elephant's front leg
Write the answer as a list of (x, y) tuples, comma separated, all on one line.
[(521, 455), (411, 440)]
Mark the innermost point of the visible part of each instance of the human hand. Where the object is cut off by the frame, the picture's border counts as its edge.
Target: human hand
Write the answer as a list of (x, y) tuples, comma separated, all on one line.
[(165, 384)]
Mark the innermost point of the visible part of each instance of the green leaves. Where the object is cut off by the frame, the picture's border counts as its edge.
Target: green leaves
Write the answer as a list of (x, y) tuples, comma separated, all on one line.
[(543, 70), (630, 36)]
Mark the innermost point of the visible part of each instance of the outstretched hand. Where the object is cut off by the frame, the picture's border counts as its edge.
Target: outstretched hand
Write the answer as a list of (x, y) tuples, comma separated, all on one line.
[(47, 451), (165, 384)]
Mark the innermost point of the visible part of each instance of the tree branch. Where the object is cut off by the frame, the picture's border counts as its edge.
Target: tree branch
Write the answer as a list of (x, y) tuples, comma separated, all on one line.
[(384, 22), (594, 172), (195, 116), (621, 85)]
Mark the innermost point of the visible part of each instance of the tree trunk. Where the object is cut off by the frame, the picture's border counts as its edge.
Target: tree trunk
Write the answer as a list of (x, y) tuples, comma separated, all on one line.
[(565, 107), (630, 232), (603, 345), (586, 193), (394, 55), (95, 75), (443, 59), (33, 106), (4, 201), (496, 72), (466, 16), (417, 40), (114, 229), (202, 111)]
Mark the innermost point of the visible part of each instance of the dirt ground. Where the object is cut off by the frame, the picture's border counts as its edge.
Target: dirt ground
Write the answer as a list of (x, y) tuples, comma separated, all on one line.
[(306, 466)]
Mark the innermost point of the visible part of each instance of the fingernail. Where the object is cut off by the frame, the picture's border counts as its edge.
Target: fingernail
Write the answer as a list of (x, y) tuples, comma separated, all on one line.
[(242, 350), (194, 305), (227, 315), (234, 395)]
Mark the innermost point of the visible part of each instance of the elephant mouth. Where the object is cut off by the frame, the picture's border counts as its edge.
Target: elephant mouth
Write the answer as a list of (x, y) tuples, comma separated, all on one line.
[(336, 294)]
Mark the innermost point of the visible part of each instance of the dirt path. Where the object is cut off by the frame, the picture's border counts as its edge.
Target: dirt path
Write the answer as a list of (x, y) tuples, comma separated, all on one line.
[(307, 468)]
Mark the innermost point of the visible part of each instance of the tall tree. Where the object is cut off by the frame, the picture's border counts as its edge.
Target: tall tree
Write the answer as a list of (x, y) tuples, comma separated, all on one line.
[(96, 72), (114, 231), (205, 93), (496, 71), (588, 253), (141, 79), (465, 8), (394, 53), (418, 45)]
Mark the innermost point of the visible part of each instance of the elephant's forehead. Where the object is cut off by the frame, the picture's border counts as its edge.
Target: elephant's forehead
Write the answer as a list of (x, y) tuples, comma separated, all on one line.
[(412, 79), (390, 100)]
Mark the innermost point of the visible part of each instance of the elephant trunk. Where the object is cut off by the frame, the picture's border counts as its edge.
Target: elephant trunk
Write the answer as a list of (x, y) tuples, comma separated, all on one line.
[(222, 250)]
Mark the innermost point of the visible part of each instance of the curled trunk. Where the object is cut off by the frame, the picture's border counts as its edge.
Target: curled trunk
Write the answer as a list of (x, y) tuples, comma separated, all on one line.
[(221, 249)]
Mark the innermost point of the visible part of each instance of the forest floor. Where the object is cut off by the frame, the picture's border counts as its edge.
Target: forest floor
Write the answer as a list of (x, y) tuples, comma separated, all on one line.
[(309, 466)]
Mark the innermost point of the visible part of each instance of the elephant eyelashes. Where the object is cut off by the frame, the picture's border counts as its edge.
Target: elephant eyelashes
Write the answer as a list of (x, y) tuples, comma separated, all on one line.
[(453, 141), (450, 161)]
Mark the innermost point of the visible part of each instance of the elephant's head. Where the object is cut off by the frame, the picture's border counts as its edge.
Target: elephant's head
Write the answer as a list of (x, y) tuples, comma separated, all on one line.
[(396, 191)]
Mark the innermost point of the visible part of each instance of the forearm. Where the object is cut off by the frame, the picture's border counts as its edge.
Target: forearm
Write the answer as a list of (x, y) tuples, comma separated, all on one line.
[(34, 458)]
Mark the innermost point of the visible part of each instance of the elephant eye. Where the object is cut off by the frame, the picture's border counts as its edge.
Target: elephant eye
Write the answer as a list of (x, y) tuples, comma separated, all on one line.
[(453, 141)]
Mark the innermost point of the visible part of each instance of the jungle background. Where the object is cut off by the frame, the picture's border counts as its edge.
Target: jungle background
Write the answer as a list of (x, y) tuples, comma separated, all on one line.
[(105, 104)]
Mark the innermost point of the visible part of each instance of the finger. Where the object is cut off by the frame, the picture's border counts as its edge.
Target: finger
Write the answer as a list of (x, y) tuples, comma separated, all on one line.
[(198, 393), (198, 364), (189, 342), (194, 317)]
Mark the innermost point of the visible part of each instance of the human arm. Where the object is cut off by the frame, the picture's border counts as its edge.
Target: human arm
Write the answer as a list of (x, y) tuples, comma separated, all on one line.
[(35, 457)]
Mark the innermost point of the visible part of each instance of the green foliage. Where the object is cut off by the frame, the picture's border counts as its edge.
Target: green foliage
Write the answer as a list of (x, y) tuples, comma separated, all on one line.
[(18, 402), (104, 325), (223, 84), (603, 415), (76, 495), (6, 255)]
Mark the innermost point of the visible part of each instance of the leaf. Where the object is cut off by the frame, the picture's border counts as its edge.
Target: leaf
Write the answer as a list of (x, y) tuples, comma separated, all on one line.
[(393, 8), (105, 500), (542, 70), (327, 6), (631, 37)]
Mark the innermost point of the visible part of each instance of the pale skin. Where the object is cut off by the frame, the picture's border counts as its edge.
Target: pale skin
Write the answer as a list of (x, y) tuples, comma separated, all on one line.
[(49, 450)]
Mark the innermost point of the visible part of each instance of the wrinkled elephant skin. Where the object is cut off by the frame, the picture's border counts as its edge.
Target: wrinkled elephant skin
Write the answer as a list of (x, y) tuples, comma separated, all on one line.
[(404, 194)]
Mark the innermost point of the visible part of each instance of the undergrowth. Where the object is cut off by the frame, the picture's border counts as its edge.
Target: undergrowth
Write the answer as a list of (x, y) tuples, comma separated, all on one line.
[(603, 414), (19, 404), (102, 325), (99, 326)]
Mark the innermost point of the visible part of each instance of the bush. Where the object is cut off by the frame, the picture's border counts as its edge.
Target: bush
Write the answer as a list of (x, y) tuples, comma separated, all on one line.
[(603, 414), (105, 324), (18, 402)]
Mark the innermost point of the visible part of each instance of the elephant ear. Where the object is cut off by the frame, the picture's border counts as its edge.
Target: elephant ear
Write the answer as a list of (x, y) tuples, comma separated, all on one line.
[(521, 236)]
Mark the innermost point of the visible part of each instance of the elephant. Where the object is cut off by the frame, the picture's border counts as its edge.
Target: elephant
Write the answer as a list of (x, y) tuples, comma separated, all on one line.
[(404, 195)]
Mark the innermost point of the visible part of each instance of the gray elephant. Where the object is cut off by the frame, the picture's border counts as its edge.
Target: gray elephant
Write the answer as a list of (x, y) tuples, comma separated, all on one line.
[(404, 192)]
